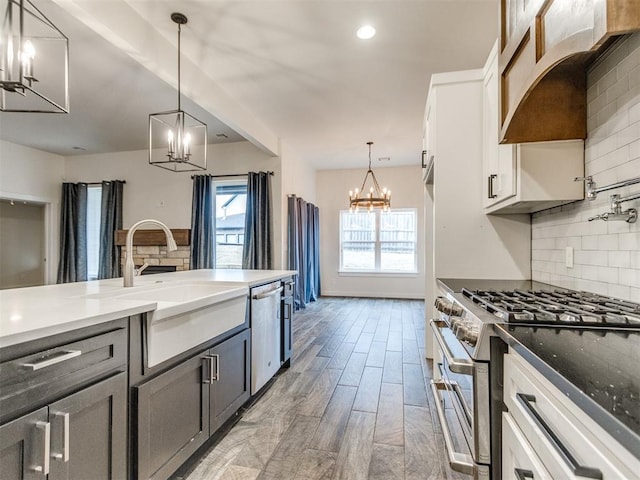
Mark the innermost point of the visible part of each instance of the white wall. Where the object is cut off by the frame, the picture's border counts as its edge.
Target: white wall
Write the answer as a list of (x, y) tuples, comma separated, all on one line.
[(152, 192), (332, 194), (32, 175), (606, 254), (298, 178)]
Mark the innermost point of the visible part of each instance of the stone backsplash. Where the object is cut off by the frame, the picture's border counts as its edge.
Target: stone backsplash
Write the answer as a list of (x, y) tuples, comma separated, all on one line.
[(158, 255)]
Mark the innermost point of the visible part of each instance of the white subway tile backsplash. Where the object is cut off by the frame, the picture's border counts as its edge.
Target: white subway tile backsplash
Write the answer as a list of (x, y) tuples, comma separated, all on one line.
[(606, 254), (619, 259), (630, 241), (630, 276)]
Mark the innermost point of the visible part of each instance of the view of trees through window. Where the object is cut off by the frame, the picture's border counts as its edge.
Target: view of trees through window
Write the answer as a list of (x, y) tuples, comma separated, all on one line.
[(231, 203), (378, 241)]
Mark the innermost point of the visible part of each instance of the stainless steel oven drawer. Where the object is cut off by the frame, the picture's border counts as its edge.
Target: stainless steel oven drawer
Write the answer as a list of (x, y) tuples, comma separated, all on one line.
[(42, 376)]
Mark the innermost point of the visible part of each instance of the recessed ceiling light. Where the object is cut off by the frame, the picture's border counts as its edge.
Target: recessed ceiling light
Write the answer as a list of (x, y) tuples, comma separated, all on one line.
[(366, 32)]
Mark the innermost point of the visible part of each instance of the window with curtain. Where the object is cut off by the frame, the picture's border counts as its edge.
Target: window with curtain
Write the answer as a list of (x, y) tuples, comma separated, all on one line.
[(378, 242), (231, 208), (90, 214)]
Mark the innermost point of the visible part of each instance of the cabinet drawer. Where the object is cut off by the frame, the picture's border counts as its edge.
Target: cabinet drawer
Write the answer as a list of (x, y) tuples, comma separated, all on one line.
[(569, 444), (49, 374), (519, 460)]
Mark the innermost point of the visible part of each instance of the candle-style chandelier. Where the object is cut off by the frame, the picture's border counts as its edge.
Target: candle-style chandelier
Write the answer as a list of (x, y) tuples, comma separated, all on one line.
[(34, 61), (177, 140), (374, 197)]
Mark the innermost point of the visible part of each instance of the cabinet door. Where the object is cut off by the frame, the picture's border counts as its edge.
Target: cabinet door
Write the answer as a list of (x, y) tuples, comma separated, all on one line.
[(89, 433), (286, 330), (24, 447), (499, 160), (172, 418), (229, 375)]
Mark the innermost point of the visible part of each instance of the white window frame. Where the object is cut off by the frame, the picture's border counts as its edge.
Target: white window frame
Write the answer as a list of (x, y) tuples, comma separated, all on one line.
[(377, 270)]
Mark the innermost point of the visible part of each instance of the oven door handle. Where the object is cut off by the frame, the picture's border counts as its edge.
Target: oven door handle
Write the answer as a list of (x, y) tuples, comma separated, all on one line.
[(460, 462), (456, 365)]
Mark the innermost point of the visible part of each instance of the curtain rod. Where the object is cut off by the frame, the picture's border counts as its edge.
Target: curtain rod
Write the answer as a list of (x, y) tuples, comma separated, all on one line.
[(100, 183), (231, 175)]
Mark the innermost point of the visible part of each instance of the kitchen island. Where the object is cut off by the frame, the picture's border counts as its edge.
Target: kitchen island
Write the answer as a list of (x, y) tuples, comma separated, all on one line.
[(93, 374)]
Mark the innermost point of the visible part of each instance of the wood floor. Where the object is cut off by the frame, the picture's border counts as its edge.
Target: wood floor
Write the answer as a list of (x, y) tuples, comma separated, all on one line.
[(352, 406)]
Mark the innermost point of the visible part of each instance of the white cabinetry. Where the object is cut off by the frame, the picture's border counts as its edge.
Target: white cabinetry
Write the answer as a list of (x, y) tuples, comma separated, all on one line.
[(544, 432), (524, 178), (461, 241)]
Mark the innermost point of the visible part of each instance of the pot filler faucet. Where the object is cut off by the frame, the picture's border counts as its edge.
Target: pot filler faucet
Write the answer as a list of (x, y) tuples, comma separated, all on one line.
[(617, 213), (128, 264)]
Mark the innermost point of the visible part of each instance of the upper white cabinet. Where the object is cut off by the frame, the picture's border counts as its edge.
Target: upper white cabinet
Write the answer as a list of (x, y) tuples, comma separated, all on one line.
[(428, 142), (527, 177)]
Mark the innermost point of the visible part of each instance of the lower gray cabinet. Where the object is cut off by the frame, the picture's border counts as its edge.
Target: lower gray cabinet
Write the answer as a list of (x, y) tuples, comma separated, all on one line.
[(231, 378), (23, 451), (178, 410), (83, 436)]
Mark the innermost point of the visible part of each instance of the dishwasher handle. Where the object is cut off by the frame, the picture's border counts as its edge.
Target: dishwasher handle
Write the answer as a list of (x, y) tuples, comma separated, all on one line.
[(268, 294)]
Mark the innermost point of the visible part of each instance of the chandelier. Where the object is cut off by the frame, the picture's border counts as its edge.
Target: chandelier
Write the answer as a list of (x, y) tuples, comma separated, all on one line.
[(374, 197), (34, 61), (177, 140)]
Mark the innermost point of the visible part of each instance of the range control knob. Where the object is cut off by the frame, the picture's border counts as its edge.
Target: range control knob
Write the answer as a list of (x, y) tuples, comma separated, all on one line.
[(470, 336), (447, 307)]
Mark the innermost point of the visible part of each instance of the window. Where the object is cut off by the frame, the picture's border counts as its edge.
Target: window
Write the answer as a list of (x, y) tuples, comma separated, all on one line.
[(94, 201), (378, 241), (230, 204)]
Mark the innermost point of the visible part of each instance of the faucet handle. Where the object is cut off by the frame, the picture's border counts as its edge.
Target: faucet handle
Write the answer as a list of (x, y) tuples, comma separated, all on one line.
[(602, 216), (138, 271)]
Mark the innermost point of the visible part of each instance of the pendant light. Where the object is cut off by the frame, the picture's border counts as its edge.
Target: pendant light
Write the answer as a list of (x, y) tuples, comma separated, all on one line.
[(177, 140), (34, 61), (374, 197)]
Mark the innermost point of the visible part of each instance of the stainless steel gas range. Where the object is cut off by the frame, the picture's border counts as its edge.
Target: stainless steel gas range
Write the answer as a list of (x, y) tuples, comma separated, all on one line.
[(467, 379)]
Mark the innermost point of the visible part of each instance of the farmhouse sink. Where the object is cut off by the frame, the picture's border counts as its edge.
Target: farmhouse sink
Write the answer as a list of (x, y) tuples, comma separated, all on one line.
[(187, 314)]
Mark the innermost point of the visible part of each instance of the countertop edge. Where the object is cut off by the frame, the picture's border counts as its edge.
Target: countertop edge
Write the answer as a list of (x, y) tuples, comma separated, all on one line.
[(620, 432)]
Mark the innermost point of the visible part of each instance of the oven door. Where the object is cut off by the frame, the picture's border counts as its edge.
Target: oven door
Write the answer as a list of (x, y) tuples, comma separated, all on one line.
[(461, 390)]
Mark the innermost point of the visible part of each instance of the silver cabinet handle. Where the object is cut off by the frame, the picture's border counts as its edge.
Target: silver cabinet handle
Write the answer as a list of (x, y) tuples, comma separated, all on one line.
[(527, 402), (457, 365), (424, 153), (53, 359), (270, 293), (45, 429), (213, 369), (216, 376), (522, 474), (64, 455), (490, 180), (460, 462)]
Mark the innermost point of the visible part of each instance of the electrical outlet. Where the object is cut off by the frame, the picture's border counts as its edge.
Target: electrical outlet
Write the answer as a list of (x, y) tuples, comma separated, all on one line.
[(568, 257)]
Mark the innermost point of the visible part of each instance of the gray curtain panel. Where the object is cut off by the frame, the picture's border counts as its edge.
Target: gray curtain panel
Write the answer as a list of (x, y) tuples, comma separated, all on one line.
[(257, 251), (202, 223), (73, 233), (110, 221), (303, 242)]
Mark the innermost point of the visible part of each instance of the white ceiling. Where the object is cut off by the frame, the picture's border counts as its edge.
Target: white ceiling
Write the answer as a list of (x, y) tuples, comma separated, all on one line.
[(288, 70)]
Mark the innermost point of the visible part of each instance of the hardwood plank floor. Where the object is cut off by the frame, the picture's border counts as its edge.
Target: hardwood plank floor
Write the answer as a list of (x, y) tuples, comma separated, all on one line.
[(355, 403)]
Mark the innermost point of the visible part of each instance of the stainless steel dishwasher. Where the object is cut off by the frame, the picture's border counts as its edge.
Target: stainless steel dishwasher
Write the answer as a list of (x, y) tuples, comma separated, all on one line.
[(265, 333)]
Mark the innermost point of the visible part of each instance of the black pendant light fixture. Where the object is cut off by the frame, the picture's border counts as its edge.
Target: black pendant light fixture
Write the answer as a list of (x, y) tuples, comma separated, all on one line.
[(374, 197), (177, 140), (34, 61)]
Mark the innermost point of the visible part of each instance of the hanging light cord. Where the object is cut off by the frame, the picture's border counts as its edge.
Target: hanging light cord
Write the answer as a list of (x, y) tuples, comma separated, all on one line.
[(179, 31), (373, 177)]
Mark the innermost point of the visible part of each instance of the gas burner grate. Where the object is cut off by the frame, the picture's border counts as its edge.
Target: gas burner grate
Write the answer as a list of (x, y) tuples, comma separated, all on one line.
[(556, 307)]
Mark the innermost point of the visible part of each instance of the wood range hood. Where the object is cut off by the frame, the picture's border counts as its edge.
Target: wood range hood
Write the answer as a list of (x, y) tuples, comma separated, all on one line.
[(546, 47)]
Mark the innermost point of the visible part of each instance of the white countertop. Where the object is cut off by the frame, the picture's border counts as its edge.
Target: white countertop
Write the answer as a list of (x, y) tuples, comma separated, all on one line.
[(34, 312)]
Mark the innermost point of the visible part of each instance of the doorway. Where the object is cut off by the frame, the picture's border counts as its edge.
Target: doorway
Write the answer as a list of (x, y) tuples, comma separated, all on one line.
[(22, 244)]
